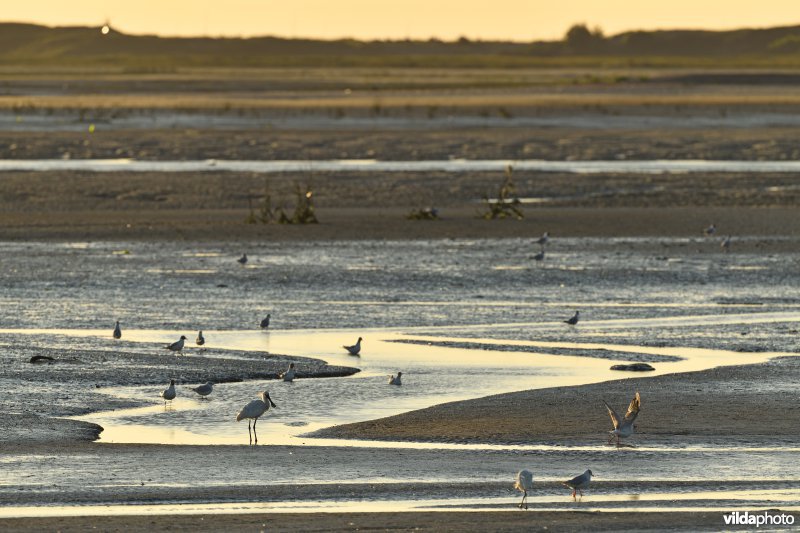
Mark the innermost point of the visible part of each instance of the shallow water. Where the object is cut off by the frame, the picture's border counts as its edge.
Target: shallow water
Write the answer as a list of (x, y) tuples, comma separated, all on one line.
[(703, 307), (372, 165)]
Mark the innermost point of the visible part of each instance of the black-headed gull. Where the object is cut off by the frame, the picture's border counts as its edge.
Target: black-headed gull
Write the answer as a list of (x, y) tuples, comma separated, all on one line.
[(265, 322), (354, 349), (578, 483), (623, 427), (242, 260), (117, 331), (204, 389), (574, 320), (290, 374), (169, 393), (176, 346)]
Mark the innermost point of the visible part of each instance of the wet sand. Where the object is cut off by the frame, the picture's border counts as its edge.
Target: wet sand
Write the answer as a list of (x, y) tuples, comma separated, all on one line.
[(721, 406), (418, 521), (710, 408)]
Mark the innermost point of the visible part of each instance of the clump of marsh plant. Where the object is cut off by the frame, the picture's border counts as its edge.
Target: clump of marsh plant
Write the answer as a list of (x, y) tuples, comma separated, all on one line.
[(507, 204), (303, 212)]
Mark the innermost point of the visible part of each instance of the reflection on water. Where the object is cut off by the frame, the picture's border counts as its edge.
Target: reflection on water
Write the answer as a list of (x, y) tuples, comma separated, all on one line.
[(432, 375), (373, 165), (752, 500)]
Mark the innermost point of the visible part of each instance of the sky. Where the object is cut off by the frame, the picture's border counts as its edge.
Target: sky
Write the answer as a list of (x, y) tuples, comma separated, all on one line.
[(517, 20)]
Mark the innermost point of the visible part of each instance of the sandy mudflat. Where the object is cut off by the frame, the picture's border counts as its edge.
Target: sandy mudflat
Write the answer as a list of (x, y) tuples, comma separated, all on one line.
[(723, 405), (418, 521)]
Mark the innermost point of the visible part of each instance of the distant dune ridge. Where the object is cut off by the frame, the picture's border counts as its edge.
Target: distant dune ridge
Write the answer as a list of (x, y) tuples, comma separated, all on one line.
[(34, 44)]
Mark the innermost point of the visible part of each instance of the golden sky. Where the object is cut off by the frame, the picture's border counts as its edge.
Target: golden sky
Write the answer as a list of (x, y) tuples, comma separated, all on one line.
[(521, 20)]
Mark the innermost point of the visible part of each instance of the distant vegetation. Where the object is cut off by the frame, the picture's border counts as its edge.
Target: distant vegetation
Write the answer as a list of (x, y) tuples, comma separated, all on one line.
[(31, 45)]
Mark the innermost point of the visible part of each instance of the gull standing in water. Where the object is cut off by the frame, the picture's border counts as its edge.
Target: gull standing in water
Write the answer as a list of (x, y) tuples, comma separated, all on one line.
[(200, 339), (289, 375), (242, 260), (579, 482), (523, 484), (726, 244), (544, 239), (117, 331), (253, 410), (623, 427), (177, 346), (204, 389), (574, 320), (169, 393), (265, 322), (539, 256), (354, 349), (395, 380), (710, 230)]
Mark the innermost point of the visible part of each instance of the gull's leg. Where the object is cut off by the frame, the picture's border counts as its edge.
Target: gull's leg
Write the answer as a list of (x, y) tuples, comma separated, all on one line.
[(573, 494), (520, 503), (254, 429), (248, 431), (525, 497), (581, 491)]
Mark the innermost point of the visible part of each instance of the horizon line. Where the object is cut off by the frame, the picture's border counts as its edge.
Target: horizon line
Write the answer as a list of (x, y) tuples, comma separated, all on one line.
[(117, 29)]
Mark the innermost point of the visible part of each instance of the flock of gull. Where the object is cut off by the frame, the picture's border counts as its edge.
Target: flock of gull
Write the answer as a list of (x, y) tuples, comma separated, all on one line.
[(256, 408), (623, 426)]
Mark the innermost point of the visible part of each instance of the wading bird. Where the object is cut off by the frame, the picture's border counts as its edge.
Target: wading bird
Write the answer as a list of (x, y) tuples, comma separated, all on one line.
[(265, 322), (544, 239), (242, 260), (169, 393), (354, 349), (623, 427), (710, 230), (726, 244), (574, 320), (524, 484), (176, 346), (253, 410), (117, 331), (289, 374), (579, 482), (395, 380), (539, 256), (200, 339), (205, 389)]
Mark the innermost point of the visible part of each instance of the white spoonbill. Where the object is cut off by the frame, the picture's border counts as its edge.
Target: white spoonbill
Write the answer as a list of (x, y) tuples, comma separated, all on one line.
[(253, 410), (523, 484)]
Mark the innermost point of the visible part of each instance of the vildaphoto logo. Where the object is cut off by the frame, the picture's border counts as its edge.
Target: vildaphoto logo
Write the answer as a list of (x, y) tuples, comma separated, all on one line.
[(747, 518)]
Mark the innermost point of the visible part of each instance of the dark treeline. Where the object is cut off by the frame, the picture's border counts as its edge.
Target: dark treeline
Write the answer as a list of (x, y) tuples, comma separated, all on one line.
[(33, 44)]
